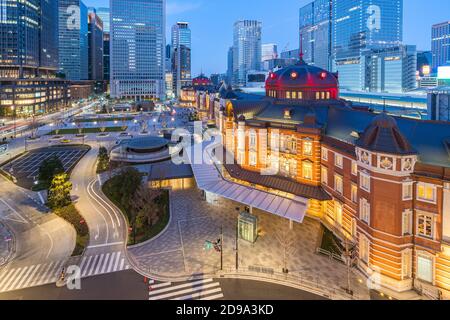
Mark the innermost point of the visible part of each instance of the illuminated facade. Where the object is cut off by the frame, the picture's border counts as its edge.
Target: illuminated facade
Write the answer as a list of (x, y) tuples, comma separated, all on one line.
[(440, 44), (381, 182)]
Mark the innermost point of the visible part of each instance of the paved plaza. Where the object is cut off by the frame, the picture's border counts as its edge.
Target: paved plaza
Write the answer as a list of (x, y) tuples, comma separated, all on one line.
[(5, 244), (179, 251)]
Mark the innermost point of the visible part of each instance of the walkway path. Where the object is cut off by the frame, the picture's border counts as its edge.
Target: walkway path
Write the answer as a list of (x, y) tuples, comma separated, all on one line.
[(179, 251)]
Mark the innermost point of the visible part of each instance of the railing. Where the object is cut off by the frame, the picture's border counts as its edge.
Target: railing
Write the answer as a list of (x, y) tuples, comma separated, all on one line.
[(331, 255)]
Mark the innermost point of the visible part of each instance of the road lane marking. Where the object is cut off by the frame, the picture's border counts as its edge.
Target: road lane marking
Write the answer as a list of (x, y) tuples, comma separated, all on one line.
[(29, 280), (26, 276), (16, 279), (180, 292), (105, 245), (185, 285), (215, 297), (161, 285), (117, 261), (11, 278), (111, 261), (87, 266), (90, 199), (199, 294), (105, 263), (99, 263)]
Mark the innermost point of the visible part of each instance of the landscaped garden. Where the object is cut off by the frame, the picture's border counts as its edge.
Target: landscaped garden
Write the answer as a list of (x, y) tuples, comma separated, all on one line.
[(87, 130), (147, 210)]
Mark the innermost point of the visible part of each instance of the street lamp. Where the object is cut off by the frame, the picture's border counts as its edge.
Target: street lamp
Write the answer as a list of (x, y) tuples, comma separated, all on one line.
[(13, 109), (238, 210)]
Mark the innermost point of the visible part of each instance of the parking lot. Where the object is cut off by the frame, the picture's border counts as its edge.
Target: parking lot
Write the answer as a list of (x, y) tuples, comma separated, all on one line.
[(26, 168)]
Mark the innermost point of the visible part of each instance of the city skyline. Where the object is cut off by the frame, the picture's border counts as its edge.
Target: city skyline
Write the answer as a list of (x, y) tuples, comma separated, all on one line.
[(207, 19)]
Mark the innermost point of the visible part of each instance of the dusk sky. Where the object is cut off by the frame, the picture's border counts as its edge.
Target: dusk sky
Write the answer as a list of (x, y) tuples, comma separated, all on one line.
[(212, 24)]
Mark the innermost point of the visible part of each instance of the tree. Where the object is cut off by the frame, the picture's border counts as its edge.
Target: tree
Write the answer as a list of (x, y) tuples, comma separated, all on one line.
[(103, 160), (59, 192), (145, 203), (48, 169), (287, 240)]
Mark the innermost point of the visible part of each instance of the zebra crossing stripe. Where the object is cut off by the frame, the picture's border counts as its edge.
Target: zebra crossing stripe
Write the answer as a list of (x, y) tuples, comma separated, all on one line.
[(87, 266), (199, 294), (117, 261), (16, 278), (31, 277), (111, 261), (11, 278), (105, 263), (189, 290), (26, 276), (94, 263), (5, 277), (99, 263), (40, 278), (161, 285), (181, 286), (215, 297)]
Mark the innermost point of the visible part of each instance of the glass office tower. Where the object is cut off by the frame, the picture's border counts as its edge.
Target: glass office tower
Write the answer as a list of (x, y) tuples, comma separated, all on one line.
[(315, 33), (247, 49), (360, 25), (104, 14), (95, 40), (181, 56), (138, 49), (440, 44), (73, 39)]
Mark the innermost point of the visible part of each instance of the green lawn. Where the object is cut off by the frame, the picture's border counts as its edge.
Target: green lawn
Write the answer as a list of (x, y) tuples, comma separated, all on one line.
[(86, 130)]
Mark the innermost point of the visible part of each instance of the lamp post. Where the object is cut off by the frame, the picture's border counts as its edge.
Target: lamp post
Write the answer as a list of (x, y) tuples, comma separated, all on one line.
[(237, 238), (13, 109)]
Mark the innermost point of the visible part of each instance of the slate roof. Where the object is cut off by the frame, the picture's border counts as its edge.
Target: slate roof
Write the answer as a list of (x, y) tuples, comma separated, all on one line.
[(430, 139)]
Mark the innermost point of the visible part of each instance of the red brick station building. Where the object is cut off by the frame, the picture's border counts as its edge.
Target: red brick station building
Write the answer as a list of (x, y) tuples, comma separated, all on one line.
[(380, 181)]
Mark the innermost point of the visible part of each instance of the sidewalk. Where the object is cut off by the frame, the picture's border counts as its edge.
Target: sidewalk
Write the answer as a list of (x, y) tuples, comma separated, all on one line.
[(7, 244)]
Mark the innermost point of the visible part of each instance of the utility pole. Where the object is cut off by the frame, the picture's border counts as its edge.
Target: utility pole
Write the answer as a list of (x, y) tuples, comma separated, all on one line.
[(221, 248), (237, 239)]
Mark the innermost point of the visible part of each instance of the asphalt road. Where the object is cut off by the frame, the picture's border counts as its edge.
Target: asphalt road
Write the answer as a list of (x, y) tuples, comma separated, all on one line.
[(128, 285)]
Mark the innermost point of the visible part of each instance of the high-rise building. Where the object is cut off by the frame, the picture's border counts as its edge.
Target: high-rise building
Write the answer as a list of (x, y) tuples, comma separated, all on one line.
[(269, 51), (104, 15), (247, 49), (390, 70), (73, 39), (106, 56), (424, 63), (315, 33), (138, 49), (230, 65), (95, 42), (29, 59), (440, 44), (181, 56), (360, 25), (291, 54)]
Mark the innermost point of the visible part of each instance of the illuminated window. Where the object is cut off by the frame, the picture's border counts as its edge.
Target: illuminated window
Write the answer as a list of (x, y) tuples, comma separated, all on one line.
[(364, 210), (364, 182), (307, 148), (364, 249), (354, 168), (426, 192), (294, 95), (338, 183), (425, 225), (252, 159), (317, 95), (288, 94), (328, 95), (338, 212), (406, 264), (300, 95), (354, 193), (307, 168), (338, 161), (252, 139), (324, 154), (324, 175)]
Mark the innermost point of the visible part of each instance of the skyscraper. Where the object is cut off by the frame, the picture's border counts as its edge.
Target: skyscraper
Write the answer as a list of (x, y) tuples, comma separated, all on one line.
[(360, 25), (73, 39), (315, 33), (269, 51), (29, 58), (440, 44), (181, 56), (138, 49), (247, 49), (95, 41), (104, 14), (230, 65)]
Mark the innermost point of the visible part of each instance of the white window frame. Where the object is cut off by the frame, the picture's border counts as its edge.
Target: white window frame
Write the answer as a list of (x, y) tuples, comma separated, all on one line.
[(407, 261), (363, 176), (364, 210), (324, 175), (341, 189), (353, 194), (339, 164), (354, 168), (407, 219), (364, 257), (429, 257), (324, 154), (308, 142), (252, 139), (252, 158), (433, 222), (427, 185), (407, 186), (307, 163)]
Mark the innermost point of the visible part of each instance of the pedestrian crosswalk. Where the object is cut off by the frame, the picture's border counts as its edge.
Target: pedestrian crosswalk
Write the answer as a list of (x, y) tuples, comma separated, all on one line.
[(41, 274), (205, 289)]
